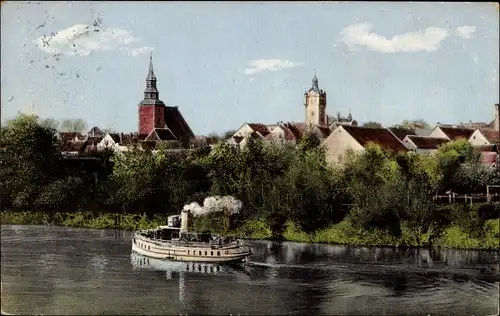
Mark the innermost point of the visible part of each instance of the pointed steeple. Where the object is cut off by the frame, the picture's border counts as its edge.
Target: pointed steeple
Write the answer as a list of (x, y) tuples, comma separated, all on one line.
[(151, 94), (315, 86), (151, 74)]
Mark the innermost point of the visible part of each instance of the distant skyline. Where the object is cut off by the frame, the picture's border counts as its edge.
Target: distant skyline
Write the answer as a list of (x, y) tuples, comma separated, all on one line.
[(226, 63)]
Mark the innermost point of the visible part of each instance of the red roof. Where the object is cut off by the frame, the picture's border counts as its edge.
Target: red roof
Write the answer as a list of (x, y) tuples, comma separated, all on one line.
[(486, 148), (423, 142), (380, 136), (488, 158), (288, 134), (258, 127), (491, 135), (160, 134), (325, 131), (176, 123), (455, 133), (401, 132)]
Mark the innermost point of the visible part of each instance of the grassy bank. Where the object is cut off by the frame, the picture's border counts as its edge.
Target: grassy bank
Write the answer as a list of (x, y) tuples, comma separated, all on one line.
[(343, 233)]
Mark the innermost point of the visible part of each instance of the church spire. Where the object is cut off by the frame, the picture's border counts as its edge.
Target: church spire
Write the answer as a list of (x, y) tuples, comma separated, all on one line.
[(151, 92), (315, 86), (151, 74)]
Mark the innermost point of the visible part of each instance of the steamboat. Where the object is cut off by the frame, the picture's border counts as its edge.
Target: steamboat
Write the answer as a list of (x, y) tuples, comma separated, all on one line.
[(175, 242)]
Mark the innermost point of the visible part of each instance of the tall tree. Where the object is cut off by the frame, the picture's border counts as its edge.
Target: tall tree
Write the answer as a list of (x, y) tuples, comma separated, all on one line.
[(50, 123), (372, 124), (419, 123), (73, 125)]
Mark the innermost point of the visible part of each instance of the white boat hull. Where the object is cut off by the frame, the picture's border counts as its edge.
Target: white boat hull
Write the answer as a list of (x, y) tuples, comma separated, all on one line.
[(165, 250)]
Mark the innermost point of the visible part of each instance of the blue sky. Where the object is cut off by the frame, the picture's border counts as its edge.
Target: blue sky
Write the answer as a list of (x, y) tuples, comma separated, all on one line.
[(228, 63)]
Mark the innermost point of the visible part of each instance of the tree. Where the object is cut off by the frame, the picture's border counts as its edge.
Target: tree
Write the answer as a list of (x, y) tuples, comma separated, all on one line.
[(73, 125), (50, 123), (412, 124), (228, 134), (372, 125), (30, 159)]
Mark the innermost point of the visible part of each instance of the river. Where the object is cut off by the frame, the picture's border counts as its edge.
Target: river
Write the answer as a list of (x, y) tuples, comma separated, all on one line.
[(57, 270)]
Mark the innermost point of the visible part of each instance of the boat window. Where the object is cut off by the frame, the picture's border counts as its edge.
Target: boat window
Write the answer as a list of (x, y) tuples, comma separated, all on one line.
[(189, 251), (134, 240), (205, 253), (149, 248), (200, 253), (218, 253), (227, 252), (211, 253)]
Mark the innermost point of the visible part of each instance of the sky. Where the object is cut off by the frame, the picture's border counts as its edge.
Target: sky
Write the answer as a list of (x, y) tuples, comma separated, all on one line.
[(227, 63)]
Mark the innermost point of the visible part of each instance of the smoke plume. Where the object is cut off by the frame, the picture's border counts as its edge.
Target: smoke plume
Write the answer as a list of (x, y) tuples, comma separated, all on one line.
[(214, 204)]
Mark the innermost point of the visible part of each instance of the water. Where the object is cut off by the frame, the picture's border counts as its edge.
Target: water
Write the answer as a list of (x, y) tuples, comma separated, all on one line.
[(55, 270)]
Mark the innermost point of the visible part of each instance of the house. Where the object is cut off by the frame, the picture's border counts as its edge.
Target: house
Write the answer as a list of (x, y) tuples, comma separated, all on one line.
[(109, 141), (255, 130), (423, 145), (155, 115), (356, 138), (95, 132), (484, 136), (489, 155), (423, 131), (334, 122), (451, 133), (401, 132)]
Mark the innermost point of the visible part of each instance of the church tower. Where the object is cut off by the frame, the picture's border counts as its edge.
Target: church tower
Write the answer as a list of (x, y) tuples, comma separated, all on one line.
[(315, 103), (151, 109)]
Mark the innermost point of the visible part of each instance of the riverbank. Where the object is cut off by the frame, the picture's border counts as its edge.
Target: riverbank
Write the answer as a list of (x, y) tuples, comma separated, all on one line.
[(343, 233)]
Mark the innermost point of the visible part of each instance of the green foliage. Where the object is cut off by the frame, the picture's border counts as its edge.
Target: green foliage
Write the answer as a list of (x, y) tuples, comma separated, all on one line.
[(372, 125), (288, 192)]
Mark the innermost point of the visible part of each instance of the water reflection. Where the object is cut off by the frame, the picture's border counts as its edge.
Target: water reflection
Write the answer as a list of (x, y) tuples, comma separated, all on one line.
[(54, 270)]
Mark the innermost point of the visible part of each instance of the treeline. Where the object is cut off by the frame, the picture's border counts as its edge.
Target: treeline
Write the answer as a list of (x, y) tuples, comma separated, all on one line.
[(278, 184)]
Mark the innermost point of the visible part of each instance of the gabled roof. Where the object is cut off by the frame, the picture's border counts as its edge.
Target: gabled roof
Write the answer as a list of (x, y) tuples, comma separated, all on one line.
[(380, 136), (325, 131), (401, 132), (491, 135), (427, 142), (455, 133), (160, 134), (423, 131), (95, 131), (258, 127), (115, 137), (488, 158), (177, 124), (486, 148)]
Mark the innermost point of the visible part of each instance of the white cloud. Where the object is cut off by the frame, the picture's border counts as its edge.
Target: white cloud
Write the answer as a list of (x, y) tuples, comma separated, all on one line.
[(466, 31), (83, 39), (139, 51), (269, 65), (361, 34)]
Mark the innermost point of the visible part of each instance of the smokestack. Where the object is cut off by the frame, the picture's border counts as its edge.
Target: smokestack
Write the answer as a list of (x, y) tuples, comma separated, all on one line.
[(184, 220)]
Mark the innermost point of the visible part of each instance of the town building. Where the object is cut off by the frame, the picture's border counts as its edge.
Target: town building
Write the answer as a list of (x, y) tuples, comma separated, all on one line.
[(355, 138), (157, 121), (316, 120)]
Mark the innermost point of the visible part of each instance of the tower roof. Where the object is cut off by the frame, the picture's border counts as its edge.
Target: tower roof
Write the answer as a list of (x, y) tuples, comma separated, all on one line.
[(151, 73), (151, 94), (315, 86)]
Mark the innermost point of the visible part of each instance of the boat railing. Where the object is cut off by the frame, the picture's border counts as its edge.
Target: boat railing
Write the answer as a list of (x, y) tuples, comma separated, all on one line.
[(186, 243)]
